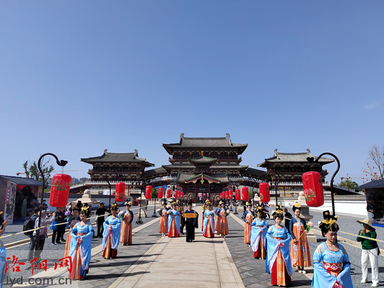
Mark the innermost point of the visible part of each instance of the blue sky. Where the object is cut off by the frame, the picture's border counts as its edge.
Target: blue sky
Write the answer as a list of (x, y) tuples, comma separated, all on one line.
[(78, 77)]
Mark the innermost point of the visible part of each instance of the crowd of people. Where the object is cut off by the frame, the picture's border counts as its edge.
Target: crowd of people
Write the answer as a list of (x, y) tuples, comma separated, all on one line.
[(283, 245)]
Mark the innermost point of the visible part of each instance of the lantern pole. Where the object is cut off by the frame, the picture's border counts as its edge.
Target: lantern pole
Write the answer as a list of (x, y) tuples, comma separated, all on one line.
[(110, 193), (312, 161), (154, 207), (139, 220), (60, 163)]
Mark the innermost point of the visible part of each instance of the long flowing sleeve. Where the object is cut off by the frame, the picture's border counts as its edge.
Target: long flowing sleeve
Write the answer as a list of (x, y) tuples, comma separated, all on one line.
[(345, 276)]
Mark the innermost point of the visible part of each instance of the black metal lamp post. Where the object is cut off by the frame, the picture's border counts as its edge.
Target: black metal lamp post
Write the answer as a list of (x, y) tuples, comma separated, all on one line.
[(154, 207), (312, 160), (277, 180), (110, 193), (139, 220), (234, 187), (60, 163)]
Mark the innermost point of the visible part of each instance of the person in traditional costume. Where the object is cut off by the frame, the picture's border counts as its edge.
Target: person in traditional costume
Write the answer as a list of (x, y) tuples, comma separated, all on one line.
[(330, 260), (248, 217), (81, 245), (259, 228), (222, 227), (203, 211), (278, 262), (71, 222), (300, 254), (190, 223), (173, 222), (209, 222), (217, 215), (111, 236), (126, 225), (163, 226), (180, 208)]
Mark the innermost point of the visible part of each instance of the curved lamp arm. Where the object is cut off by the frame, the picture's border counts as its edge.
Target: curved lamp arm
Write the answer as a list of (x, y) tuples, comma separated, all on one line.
[(312, 160)]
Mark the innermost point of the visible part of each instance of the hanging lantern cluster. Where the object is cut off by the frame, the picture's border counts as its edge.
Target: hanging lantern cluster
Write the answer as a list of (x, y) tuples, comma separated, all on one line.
[(265, 195), (160, 193), (244, 194), (148, 192), (313, 189), (60, 186), (120, 192), (237, 194)]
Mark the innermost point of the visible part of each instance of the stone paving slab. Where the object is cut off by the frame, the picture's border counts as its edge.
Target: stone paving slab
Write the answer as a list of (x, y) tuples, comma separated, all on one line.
[(252, 271), (210, 261), (103, 272)]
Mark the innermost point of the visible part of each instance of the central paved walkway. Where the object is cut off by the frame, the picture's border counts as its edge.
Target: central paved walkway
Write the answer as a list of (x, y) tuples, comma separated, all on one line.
[(203, 263)]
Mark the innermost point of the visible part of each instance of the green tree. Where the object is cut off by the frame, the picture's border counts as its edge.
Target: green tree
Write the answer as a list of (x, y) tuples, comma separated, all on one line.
[(348, 184), (32, 171)]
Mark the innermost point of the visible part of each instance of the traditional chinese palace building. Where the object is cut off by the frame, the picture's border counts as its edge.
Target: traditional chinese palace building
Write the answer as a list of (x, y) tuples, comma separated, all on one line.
[(288, 168), (201, 166)]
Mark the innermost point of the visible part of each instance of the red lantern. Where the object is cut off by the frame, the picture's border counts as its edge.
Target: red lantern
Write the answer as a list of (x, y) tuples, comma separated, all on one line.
[(176, 195), (222, 195), (237, 194), (182, 194), (230, 194), (244, 194), (168, 193), (60, 186), (160, 194), (148, 192), (265, 196), (313, 189), (120, 192)]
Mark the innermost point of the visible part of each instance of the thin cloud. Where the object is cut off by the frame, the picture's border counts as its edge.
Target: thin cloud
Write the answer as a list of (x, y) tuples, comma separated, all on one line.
[(371, 106)]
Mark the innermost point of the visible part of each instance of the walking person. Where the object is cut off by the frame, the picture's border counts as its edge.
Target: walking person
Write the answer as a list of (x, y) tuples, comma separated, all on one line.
[(258, 234), (330, 260), (111, 236), (248, 217), (163, 224), (126, 225), (190, 223), (173, 222), (81, 245), (42, 232), (278, 259), (209, 222), (370, 251), (300, 254), (73, 219), (100, 219), (32, 244)]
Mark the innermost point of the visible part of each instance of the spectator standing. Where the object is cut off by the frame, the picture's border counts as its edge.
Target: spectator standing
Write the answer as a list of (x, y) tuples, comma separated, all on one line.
[(369, 251), (42, 232), (100, 219)]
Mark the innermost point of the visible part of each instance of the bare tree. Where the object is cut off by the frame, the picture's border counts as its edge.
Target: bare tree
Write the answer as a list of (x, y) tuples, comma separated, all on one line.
[(375, 165)]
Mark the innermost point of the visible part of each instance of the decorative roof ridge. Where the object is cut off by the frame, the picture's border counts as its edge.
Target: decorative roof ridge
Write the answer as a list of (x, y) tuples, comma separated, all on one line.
[(227, 137), (288, 153)]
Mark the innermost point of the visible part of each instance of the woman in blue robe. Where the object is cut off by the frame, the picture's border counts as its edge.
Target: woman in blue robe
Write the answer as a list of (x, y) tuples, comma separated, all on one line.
[(278, 262), (111, 235), (173, 222), (330, 260), (259, 228), (81, 245), (209, 222)]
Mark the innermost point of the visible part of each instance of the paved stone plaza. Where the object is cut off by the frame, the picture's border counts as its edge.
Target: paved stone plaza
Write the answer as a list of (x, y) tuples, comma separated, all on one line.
[(153, 260)]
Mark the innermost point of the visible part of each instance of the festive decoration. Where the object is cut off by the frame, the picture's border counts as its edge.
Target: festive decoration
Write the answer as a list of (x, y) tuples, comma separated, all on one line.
[(60, 186), (265, 196), (244, 194), (237, 194), (160, 193), (169, 193), (120, 192), (148, 192), (313, 189)]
